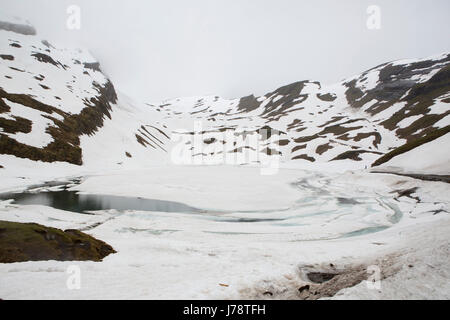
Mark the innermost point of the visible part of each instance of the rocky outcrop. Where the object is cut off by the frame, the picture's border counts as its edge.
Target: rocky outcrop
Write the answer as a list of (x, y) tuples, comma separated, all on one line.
[(66, 132), (51, 73), (21, 242)]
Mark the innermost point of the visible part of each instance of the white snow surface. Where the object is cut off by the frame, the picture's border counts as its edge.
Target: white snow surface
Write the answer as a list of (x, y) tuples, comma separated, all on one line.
[(308, 213), (429, 158), (191, 256)]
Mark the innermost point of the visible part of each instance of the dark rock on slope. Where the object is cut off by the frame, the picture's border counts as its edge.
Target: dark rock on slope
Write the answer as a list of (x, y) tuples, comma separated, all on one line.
[(33, 242)]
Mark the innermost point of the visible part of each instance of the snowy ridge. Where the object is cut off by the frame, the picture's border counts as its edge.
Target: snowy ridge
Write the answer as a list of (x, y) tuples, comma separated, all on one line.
[(356, 120), (57, 105)]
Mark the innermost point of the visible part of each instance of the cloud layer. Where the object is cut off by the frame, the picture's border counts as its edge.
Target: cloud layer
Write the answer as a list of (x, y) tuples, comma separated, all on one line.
[(164, 49)]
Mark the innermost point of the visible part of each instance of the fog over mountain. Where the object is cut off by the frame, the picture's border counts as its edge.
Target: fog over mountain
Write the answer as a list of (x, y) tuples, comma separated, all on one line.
[(155, 50)]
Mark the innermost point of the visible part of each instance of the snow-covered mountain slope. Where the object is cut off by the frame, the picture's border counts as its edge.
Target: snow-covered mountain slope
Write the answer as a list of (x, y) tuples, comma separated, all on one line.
[(425, 156), (359, 119), (430, 158), (57, 105)]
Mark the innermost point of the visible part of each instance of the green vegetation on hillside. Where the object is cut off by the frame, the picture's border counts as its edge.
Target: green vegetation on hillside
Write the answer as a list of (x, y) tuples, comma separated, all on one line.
[(33, 242)]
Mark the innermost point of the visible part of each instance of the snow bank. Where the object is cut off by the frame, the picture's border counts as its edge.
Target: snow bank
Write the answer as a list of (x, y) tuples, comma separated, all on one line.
[(430, 158), (181, 256)]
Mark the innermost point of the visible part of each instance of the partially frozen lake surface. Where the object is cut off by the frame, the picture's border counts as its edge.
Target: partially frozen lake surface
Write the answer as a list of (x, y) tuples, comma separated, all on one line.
[(315, 215), (185, 232)]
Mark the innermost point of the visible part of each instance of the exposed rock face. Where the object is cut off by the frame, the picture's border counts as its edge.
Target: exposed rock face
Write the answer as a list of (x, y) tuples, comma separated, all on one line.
[(33, 242), (65, 132), (95, 66), (87, 99), (417, 84), (53, 101), (412, 145)]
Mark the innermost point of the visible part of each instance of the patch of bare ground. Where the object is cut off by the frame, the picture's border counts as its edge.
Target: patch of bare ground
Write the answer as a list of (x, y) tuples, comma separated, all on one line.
[(363, 135), (323, 148), (66, 132), (412, 145), (41, 57), (289, 96), (7, 57), (304, 157), (21, 242), (144, 137), (395, 85), (353, 155), (333, 119), (300, 147), (209, 141), (17, 28), (312, 282), (327, 97), (270, 151), (294, 124), (425, 177)]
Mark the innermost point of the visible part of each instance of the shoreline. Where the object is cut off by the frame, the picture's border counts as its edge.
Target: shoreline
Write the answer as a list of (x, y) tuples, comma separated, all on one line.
[(419, 176)]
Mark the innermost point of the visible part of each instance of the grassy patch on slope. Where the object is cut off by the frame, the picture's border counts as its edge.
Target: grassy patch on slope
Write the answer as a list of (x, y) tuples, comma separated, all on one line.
[(34, 242)]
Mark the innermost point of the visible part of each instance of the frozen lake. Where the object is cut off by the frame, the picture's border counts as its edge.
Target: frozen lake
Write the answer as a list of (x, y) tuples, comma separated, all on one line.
[(217, 232), (319, 212), (83, 203)]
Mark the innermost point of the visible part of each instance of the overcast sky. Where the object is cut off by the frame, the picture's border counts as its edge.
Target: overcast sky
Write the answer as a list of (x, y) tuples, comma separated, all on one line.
[(154, 50)]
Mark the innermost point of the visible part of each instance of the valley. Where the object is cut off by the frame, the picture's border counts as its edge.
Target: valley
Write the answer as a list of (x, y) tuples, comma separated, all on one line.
[(215, 198)]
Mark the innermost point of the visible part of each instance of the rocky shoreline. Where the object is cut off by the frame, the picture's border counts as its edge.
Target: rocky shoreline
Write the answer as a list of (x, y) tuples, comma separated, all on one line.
[(425, 177)]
